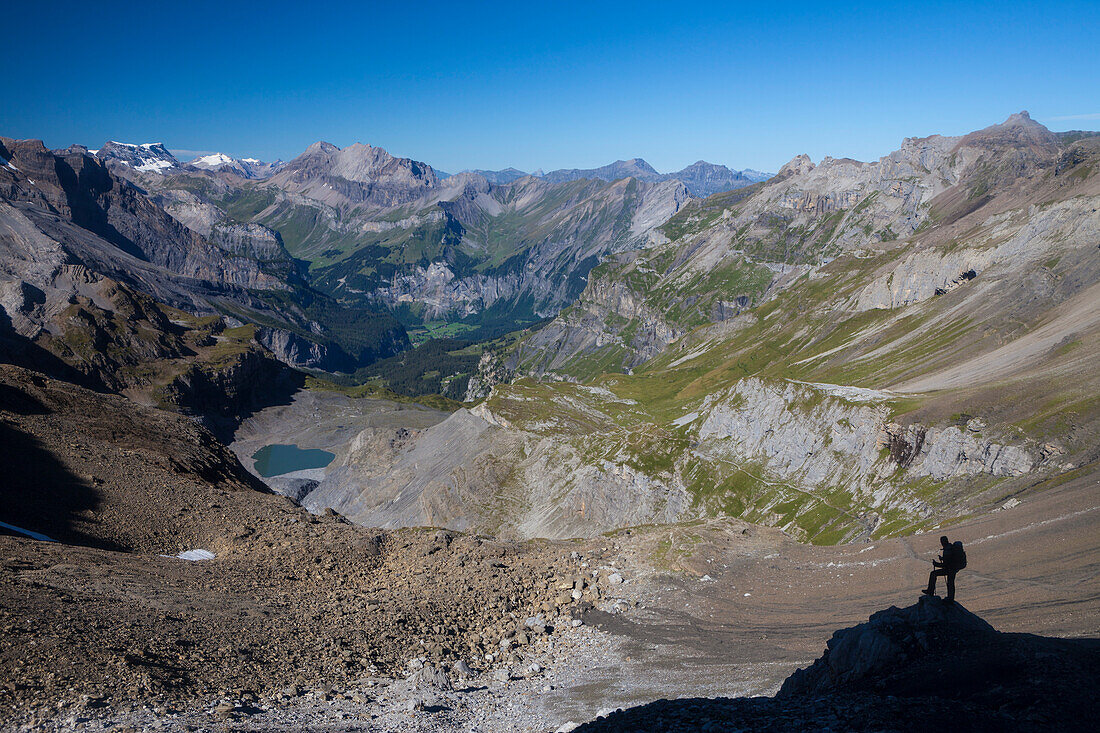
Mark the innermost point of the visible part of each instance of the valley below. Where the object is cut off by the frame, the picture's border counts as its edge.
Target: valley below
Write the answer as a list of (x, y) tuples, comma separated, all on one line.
[(346, 443)]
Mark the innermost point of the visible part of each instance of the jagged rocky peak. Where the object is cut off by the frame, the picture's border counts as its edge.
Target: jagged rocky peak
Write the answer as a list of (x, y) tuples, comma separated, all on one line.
[(355, 175), (1019, 131), (143, 157), (797, 165), (1020, 118), (364, 164)]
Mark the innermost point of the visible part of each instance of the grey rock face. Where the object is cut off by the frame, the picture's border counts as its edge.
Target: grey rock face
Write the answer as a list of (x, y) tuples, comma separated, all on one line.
[(617, 217), (358, 174), (828, 435), (299, 352), (1014, 241), (458, 473), (491, 370), (107, 221)]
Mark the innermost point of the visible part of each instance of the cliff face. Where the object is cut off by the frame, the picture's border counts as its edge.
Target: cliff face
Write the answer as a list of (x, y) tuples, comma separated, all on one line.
[(824, 460), (524, 248), (77, 189)]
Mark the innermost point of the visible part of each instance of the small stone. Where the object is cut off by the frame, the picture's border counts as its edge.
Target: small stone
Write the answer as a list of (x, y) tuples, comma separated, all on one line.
[(615, 579), (463, 669)]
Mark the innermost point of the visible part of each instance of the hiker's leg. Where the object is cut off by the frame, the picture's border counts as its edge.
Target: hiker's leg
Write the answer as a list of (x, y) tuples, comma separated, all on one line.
[(951, 586)]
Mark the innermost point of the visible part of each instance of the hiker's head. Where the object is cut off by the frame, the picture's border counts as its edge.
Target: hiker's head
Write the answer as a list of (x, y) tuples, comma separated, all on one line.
[(943, 541)]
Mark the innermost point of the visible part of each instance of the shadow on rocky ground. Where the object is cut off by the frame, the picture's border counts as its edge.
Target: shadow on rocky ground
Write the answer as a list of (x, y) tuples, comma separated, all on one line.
[(931, 666), (38, 491)]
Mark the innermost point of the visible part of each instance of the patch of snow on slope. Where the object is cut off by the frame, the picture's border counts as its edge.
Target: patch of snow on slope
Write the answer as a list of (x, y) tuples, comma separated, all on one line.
[(847, 392), (685, 419), (27, 532), (153, 166), (195, 555)]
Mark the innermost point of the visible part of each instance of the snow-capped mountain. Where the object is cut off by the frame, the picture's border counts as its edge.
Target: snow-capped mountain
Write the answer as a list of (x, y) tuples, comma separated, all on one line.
[(243, 167), (144, 157)]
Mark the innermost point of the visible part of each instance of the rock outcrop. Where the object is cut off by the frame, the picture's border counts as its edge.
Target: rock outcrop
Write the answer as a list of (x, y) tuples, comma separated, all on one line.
[(872, 655), (907, 669)]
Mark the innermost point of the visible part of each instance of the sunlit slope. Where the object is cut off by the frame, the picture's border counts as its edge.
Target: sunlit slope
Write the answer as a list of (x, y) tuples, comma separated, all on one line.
[(971, 343)]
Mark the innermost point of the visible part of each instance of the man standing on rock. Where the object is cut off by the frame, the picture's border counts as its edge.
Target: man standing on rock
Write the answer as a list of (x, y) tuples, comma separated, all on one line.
[(951, 562)]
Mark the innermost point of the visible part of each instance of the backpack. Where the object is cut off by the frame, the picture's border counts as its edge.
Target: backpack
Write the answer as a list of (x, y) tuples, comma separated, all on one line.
[(958, 556)]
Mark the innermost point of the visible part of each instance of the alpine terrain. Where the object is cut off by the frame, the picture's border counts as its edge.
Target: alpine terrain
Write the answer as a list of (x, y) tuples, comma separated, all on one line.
[(347, 443)]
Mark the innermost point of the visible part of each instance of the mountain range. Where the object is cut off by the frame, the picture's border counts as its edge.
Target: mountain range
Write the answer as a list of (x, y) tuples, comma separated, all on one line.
[(703, 412), (701, 178)]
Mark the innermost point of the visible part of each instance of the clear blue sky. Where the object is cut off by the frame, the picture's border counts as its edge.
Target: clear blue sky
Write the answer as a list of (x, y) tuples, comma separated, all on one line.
[(551, 85)]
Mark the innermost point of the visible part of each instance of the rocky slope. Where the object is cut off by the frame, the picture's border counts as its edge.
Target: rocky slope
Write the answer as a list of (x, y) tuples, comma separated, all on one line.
[(79, 246), (124, 489), (356, 175), (379, 230), (498, 251), (734, 249), (867, 392)]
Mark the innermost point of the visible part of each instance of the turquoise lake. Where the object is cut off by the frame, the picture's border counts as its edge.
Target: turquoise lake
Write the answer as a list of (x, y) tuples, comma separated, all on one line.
[(277, 459)]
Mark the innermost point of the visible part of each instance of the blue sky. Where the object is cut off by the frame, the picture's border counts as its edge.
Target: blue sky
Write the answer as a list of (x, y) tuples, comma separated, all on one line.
[(488, 85)]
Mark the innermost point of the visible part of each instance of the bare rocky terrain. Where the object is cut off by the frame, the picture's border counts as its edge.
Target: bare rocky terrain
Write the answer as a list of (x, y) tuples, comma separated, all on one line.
[(304, 621), (735, 450)]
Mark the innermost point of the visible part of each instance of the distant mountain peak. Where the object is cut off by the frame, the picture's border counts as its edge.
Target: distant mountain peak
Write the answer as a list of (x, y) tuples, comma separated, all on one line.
[(214, 159), (243, 167), (142, 157), (1020, 118)]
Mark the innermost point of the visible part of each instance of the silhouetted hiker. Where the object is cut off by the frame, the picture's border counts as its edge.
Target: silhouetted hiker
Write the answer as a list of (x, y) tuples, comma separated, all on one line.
[(951, 562)]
